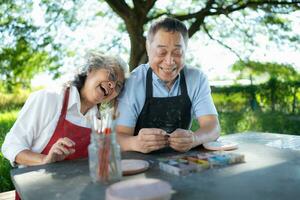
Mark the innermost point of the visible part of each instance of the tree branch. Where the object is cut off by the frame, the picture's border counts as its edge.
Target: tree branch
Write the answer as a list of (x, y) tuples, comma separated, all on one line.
[(157, 16), (229, 9), (207, 11), (120, 7), (198, 14), (220, 42), (146, 5), (150, 4), (138, 3), (232, 8), (141, 9)]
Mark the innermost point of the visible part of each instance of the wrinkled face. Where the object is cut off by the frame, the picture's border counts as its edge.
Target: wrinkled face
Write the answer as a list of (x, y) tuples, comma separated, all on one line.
[(102, 85), (166, 53)]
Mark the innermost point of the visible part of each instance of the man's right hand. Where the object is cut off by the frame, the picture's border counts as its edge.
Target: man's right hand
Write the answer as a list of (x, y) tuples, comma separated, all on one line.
[(151, 139), (60, 150)]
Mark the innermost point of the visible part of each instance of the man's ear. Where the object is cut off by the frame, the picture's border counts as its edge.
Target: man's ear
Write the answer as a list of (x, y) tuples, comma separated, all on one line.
[(147, 47)]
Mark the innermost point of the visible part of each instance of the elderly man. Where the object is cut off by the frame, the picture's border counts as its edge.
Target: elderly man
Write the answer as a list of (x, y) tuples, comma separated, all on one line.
[(160, 97)]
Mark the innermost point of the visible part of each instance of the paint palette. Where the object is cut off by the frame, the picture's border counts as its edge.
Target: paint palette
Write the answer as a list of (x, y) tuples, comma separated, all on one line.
[(182, 165), (178, 167)]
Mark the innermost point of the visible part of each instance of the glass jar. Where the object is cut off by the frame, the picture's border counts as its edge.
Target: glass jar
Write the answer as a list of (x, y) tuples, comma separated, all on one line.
[(104, 157)]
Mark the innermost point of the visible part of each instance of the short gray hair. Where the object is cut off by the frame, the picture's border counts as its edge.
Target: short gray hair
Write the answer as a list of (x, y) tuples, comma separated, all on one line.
[(98, 60), (170, 25)]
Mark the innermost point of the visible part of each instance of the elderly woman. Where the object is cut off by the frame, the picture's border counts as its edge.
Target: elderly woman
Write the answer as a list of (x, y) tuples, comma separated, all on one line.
[(54, 125)]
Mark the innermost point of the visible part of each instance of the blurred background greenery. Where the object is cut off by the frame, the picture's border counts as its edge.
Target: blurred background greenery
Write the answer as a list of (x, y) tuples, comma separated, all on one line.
[(47, 38)]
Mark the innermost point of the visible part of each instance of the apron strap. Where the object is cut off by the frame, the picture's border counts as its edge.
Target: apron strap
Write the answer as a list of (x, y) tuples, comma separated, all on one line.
[(183, 87), (149, 87), (65, 104)]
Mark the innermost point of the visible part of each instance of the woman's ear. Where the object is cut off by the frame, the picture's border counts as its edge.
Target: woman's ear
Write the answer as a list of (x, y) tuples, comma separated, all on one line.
[(89, 71)]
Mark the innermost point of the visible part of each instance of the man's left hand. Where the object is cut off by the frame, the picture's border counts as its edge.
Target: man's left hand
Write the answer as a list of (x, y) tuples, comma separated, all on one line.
[(181, 140)]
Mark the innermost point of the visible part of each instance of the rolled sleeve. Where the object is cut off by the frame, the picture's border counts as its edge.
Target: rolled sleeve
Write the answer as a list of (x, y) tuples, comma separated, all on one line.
[(126, 114), (202, 102), (11, 148)]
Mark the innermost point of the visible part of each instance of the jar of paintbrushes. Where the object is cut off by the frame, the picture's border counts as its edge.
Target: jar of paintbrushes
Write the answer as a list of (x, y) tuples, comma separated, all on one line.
[(104, 151)]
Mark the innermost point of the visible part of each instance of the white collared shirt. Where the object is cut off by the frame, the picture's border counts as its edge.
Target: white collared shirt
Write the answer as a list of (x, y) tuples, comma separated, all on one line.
[(38, 119)]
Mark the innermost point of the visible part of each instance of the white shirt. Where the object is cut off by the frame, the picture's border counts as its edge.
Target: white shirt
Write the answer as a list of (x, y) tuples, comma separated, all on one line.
[(38, 119)]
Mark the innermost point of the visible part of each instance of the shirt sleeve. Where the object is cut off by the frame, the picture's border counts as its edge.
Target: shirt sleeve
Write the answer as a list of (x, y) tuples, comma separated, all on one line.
[(131, 100), (25, 129), (202, 102)]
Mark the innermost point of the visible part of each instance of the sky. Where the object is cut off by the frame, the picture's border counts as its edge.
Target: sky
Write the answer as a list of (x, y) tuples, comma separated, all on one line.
[(214, 59)]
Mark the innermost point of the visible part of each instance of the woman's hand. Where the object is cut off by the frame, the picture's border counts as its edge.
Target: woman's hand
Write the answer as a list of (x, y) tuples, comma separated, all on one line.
[(60, 150)]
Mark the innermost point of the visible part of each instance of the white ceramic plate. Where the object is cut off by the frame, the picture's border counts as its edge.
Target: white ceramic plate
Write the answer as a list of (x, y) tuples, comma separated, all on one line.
[(220, 145), (133, 166), (140, 188)]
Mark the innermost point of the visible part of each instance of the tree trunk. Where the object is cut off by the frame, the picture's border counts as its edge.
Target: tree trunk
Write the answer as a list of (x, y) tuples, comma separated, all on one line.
[(253, 101), (137, 50), (294, 100), (137, 42), (273, 85)]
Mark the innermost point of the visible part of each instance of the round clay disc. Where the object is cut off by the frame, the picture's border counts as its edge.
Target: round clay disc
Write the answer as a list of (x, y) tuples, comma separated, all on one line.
[(141, 188), (132, 166), (220, 145)]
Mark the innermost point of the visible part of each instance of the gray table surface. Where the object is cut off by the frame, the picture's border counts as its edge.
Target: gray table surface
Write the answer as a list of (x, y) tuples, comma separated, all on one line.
[(271, 171)]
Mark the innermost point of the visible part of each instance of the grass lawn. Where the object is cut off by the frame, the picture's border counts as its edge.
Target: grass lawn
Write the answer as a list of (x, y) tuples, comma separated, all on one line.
[(7, 119)]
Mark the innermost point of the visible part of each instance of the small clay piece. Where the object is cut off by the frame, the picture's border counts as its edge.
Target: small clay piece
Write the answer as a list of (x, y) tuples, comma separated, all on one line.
[(132, 166)]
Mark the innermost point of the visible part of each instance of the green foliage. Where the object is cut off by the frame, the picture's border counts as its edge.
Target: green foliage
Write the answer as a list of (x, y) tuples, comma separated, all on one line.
[(21, 63), (6, 121), (5, 181), (232, 102), (281, 72), (271, 96), (272, 20), (10, 105), (235, 113), (61, 12), (28, 47), (13, 101), (273, 122)]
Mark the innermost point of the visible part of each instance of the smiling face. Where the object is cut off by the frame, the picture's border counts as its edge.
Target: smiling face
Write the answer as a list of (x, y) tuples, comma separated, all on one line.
[(101, 85), (166, 53)]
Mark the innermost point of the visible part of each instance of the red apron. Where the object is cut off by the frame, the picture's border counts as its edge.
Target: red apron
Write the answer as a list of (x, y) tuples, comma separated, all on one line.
[(80, 135)]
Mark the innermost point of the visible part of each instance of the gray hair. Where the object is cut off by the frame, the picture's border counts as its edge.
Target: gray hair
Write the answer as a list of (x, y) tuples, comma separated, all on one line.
[(170, 25), (98, 60)]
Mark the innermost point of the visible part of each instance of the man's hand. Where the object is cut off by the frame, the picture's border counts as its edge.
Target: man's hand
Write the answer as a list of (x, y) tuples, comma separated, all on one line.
[(60, 150), (181, 140), (151, 139)]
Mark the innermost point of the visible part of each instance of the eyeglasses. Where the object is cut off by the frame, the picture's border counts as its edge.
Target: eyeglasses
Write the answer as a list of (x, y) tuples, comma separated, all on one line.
[(112, 78)]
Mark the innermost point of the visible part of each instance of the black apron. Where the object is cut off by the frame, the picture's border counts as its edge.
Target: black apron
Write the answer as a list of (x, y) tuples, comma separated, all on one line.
[(167, 113)]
